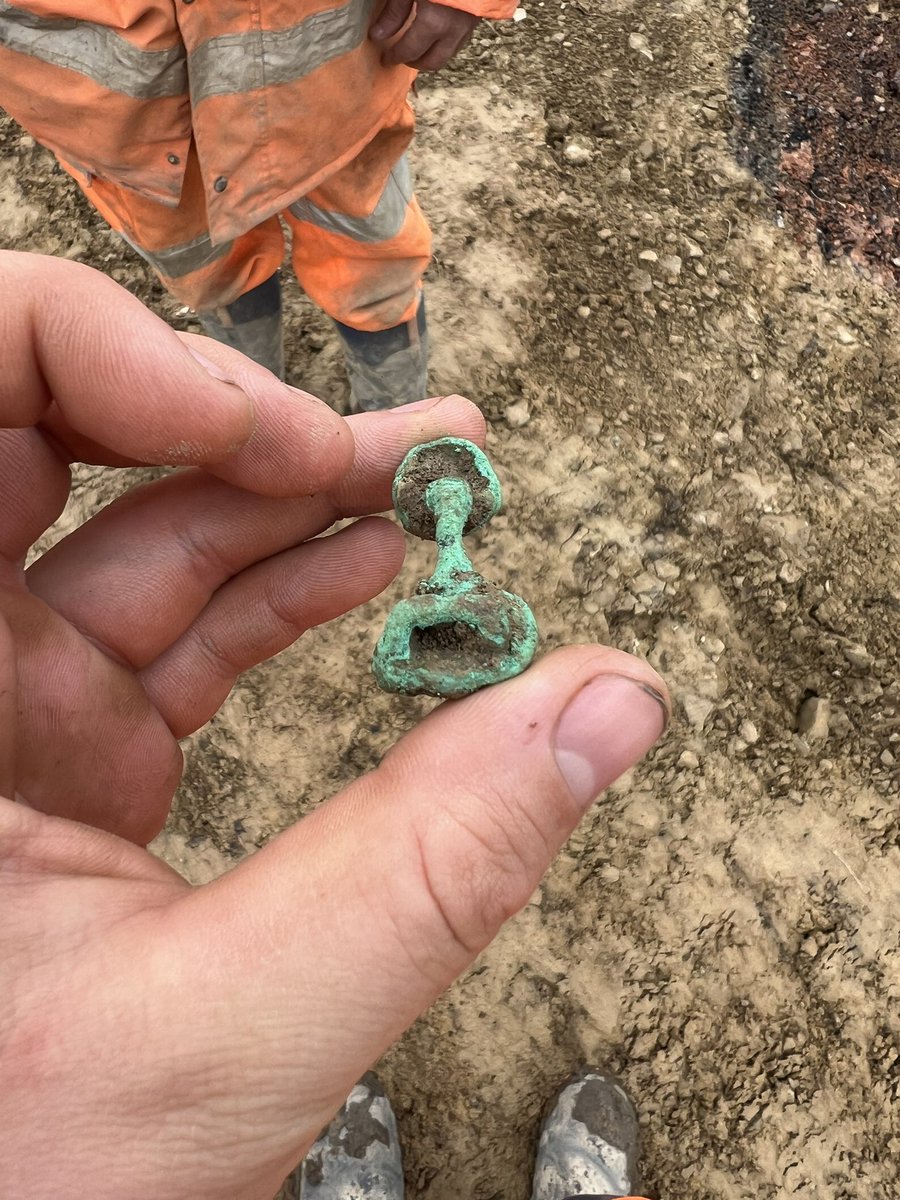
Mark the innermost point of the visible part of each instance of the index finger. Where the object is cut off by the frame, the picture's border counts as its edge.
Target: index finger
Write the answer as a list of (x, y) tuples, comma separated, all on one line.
[(113, 382)]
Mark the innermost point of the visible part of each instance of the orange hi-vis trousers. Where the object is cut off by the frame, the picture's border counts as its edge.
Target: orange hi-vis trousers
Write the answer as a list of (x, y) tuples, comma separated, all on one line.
[(359, 245)]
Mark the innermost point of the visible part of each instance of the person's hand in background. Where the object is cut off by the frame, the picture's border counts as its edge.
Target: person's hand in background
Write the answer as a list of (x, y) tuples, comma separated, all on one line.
[(435, 33)]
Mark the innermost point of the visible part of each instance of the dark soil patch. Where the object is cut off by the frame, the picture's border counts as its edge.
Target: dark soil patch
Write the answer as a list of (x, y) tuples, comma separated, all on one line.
[(819, 91)]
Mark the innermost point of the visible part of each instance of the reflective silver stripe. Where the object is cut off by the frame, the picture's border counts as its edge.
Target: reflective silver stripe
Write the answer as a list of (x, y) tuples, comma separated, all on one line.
[(95, 51), (178, 261), (243, 62), (384, 223)]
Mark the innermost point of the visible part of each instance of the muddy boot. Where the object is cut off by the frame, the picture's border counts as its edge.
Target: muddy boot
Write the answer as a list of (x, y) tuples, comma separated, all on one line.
[(589, 1142), (251, 324), (387, 368), (358, 1156)]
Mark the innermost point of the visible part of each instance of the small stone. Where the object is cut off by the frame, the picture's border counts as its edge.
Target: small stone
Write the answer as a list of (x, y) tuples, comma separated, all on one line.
[(583, 311), (671, 264), (666, 569), (688, 760), (642, 281), (789, 573), (858, 656), (693, 248), (571, 352), (609, 873), (713, 646), (518, 414), (648, 256), (749, 733), (810, 946), (886, 758), (697, 709), (578, 153), (605, 234), (646, 585), (519, 15), (814, 718), (638, 42), (494, 89), (845, 336)]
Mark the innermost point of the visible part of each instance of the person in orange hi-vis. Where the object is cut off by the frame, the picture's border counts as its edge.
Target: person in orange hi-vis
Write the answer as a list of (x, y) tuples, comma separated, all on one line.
[(196, 127)]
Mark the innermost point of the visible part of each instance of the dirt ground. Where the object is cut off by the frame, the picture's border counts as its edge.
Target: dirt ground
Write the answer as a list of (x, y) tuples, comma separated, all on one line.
[(695, 418)]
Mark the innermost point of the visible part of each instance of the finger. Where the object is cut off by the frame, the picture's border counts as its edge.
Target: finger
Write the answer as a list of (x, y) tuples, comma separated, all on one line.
[(34, 488), (340, 932), (437, 55), (298, 445), (444, 50), (165, 548), (414, 44), (393, 18), (8, 705), (263, 611), (102, 373)]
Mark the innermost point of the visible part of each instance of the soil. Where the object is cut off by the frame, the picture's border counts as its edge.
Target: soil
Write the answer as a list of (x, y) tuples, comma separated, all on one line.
[(694, 416)]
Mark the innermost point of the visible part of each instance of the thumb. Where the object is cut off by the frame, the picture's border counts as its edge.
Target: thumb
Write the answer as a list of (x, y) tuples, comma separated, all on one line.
[(344, 929), (393, 18)]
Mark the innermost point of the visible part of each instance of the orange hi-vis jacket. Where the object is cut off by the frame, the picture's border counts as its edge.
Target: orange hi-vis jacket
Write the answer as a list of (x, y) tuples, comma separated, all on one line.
[(277, 95)]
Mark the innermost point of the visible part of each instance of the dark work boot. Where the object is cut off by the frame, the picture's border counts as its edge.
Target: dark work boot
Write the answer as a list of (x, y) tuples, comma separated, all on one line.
[(589, 1142), (251, 324), (387, 368), (358, 1156)]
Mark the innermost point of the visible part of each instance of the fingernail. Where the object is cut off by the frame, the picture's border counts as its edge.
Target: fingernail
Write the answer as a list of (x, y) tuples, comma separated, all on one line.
[(607, 727), (211, 368)]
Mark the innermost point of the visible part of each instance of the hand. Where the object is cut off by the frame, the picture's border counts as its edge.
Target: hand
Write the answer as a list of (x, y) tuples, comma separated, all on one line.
[(435, 34), (164, 1041), (130, 632)]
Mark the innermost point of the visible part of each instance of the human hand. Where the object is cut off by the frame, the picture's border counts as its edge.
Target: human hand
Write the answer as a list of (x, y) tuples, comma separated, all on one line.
[(164, 1041), (435, 34), (131, 631)]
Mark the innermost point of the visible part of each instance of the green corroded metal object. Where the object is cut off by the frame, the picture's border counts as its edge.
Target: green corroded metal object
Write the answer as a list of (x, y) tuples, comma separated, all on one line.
[(458, 633)]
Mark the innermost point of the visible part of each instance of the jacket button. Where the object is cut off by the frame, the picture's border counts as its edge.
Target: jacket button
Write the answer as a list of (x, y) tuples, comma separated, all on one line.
[(221, 184), (173, 159)]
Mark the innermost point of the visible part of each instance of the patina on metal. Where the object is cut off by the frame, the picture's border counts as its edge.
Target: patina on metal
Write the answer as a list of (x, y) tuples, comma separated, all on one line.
[(458, 632)]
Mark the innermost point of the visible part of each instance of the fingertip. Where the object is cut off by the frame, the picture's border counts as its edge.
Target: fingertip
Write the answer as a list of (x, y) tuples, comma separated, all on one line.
[(604, 730), (458, 415)]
